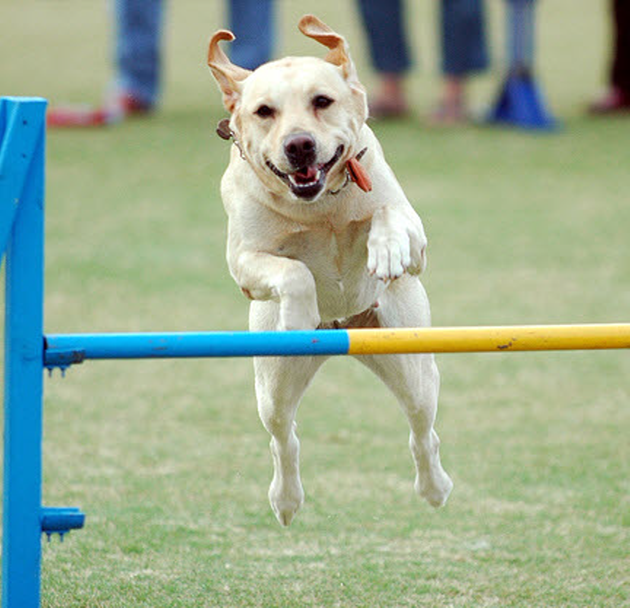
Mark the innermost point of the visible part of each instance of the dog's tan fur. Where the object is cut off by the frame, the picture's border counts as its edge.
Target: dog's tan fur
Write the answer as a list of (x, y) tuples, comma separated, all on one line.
[(322, 253)]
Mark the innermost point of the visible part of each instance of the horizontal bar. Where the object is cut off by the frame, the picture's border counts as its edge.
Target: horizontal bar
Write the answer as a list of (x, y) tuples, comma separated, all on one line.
[(490, 339), (195, 344), (334, 342)]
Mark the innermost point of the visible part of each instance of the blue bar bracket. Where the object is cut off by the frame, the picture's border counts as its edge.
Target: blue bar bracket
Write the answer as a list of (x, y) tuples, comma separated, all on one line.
[(60, 520), (62, 359)]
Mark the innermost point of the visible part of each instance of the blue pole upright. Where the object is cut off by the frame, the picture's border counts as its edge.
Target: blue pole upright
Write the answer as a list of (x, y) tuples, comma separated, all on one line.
[(22, 149)]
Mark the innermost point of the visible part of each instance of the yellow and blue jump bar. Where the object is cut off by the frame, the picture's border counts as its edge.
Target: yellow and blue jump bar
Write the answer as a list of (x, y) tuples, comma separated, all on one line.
[(62, 350)]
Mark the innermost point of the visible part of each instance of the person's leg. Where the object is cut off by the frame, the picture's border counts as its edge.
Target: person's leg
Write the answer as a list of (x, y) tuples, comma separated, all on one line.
[(520, 35), (620, 76), (389, 50), (137, 65), (138, 52), (464, 51), (252, 22), (387, 37), (616, 97), (464, 48)]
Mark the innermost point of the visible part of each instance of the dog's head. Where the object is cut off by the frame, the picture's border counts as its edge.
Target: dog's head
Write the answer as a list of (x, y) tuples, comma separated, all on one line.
[(297, 120)]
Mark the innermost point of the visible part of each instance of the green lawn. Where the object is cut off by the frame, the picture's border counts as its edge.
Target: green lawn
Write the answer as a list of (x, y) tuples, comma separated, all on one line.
[(169, 460)]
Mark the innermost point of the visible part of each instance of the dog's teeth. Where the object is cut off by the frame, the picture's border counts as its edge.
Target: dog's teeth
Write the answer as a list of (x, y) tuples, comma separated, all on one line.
[(301, 184)]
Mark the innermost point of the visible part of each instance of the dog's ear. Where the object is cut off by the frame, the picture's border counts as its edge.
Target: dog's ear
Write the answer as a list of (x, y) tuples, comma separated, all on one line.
[(228, 76), (339, 53)]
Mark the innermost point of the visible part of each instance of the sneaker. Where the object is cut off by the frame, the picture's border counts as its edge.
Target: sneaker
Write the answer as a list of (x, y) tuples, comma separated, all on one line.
[(121, 106), (613, 101)]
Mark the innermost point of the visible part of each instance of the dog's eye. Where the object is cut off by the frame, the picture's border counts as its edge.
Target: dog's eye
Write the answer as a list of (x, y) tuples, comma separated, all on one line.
[(265, 112), (321, 102)]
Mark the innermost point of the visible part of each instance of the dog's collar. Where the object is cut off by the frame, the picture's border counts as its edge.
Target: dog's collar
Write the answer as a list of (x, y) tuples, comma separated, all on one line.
[(354, 170), (224, 132), (355, 173)]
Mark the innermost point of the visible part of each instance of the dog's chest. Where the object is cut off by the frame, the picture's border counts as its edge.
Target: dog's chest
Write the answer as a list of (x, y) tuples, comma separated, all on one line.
[(337, 258), (327, 249)]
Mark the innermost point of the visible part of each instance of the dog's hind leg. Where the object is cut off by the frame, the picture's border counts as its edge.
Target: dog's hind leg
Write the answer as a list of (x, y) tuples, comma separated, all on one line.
[(415, 381), (280, 384)]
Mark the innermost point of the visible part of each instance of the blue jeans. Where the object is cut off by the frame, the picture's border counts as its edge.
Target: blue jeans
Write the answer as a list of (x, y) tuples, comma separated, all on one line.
[(463, 38), (386, 35), (138, 48), (462, 27), (139, 25), (252, 22)]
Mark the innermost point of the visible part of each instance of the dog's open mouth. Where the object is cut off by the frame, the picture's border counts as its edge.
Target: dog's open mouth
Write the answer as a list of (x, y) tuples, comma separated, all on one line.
[(307, 182)]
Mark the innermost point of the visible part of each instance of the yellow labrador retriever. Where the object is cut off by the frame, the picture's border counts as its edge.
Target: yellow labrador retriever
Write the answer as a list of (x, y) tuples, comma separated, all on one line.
[(320, 234)]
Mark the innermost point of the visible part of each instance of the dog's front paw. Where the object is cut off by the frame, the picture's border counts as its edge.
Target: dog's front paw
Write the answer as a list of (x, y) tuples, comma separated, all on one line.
[(418, 246), (389, 255), (396, 244)]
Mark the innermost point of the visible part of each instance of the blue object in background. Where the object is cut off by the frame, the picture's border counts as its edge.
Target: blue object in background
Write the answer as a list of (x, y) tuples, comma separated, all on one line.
[(520, 102)]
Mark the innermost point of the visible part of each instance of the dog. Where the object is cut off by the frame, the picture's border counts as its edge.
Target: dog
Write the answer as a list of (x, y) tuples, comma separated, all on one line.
[(321, 235)]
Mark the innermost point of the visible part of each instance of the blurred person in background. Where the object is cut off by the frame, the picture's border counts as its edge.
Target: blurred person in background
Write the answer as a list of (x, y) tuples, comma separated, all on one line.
[(463, 48), (138, 58), (616, 99)]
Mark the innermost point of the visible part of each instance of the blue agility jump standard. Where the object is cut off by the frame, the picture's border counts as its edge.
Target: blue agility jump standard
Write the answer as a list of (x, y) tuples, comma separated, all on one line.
[(22, 238), (22, 161)]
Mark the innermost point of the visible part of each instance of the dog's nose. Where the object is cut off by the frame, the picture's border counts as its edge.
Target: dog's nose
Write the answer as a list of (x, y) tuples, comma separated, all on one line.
[(300, 150)]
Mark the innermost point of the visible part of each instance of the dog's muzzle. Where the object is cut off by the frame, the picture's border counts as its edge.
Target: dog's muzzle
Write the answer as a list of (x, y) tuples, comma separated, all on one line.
[(309, 178)]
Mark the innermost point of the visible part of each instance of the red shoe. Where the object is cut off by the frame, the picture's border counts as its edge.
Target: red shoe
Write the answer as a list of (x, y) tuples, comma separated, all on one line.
[(122, 106), (613, 102)]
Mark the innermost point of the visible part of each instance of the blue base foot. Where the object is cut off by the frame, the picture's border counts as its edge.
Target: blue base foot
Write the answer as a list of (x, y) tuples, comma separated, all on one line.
[(521, 104)]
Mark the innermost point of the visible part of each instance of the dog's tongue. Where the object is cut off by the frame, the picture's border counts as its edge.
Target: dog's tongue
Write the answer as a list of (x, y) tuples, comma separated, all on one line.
[(306, 174)]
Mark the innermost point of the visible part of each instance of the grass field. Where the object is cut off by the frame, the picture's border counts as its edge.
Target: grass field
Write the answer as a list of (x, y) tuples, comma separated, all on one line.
[(169, 460)]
